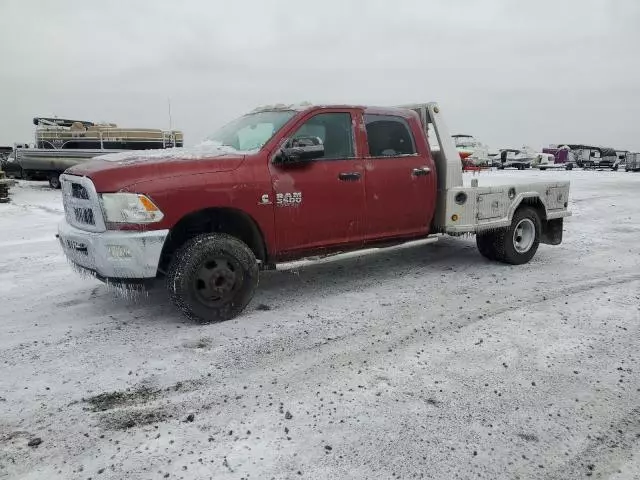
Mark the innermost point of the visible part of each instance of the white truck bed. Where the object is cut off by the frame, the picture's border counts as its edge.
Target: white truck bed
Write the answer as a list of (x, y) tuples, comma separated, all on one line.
[(472, 209)]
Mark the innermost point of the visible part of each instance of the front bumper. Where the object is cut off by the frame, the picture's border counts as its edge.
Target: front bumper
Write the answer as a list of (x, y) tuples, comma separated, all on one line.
[(116, 255)]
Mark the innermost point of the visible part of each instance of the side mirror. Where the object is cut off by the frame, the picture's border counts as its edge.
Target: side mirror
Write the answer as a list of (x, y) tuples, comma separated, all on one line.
[(299, 150)]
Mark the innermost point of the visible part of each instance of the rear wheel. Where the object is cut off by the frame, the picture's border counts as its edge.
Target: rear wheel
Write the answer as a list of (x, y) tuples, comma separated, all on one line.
[(485, 242), (516, 244), (212, 277)]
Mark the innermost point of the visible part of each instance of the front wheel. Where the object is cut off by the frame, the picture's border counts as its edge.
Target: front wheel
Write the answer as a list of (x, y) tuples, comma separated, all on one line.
[(516, 244), (212, 277)]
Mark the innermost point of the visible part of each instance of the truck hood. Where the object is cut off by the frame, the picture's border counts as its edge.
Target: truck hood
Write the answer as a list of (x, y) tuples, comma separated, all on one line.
[(116, 171)]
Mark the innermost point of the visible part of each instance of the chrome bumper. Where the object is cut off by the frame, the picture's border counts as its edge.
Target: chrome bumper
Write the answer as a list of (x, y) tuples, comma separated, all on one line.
[(113, 254)]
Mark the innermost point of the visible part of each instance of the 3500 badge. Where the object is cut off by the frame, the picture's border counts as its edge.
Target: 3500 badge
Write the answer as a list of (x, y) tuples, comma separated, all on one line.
[(288, 199)]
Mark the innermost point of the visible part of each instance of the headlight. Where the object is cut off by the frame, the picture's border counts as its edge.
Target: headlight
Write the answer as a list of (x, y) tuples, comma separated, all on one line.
[(129, 208)]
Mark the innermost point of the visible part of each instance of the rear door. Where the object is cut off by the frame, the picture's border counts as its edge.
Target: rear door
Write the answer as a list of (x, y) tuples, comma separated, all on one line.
[(321, 203), (399, 179)]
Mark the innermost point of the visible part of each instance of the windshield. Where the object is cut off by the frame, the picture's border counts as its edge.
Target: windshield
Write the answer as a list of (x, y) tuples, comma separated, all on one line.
[(252, 131)]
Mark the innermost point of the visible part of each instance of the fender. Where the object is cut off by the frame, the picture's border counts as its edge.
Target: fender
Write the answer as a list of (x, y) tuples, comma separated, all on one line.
[(517, 201)]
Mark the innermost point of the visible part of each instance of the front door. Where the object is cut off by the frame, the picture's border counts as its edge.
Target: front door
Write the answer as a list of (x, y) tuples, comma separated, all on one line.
[(321, 203), (399, 180)]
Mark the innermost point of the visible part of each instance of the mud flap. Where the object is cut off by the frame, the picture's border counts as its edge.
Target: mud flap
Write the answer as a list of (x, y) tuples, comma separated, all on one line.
[(552, 232)]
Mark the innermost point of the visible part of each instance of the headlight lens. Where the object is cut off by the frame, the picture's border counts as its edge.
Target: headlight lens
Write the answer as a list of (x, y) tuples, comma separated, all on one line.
[(129, 208)]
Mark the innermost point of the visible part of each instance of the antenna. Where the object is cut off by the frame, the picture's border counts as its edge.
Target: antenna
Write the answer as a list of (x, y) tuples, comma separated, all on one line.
[(170, 122)]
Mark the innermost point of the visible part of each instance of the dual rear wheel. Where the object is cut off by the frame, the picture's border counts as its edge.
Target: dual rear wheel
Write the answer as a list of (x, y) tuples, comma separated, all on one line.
[(516, 244)]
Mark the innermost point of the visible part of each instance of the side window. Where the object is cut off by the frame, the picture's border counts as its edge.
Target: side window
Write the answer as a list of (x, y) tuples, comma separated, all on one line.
[(333, 129), (388, 136)]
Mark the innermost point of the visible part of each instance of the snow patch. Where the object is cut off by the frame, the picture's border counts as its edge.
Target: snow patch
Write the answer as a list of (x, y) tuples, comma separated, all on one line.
[(204, 150)]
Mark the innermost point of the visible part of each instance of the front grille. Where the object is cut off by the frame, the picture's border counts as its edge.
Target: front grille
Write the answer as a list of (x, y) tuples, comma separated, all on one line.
[(78, 191), (84, 215), (81, 203)]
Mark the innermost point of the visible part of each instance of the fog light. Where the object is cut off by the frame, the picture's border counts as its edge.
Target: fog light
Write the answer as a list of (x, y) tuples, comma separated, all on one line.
[(454, 217), (119, 251)]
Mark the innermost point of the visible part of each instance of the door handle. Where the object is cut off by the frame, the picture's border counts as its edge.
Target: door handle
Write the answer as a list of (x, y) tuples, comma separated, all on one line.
[(349, 176), (419, 172)]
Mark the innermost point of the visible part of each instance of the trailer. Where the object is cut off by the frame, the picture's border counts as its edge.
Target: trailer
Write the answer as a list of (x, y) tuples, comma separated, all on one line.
[(592, 157), (633, 162)]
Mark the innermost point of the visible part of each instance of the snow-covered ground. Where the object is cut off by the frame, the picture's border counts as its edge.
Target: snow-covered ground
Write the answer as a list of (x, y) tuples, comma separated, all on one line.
[(423, 361)]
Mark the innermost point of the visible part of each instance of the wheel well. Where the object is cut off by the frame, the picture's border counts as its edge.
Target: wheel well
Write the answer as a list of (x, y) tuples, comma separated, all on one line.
[(551, 230), (536, 204), (210, 220)]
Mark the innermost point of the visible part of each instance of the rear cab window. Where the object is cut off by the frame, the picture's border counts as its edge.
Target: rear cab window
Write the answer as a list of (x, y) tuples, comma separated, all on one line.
[(389, 136)]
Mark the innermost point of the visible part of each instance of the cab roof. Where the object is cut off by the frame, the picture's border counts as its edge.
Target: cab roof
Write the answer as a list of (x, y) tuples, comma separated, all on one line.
[(301, 107)]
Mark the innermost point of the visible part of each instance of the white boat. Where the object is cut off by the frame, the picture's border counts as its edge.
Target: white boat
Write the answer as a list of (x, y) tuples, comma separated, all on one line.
[(471, 150)]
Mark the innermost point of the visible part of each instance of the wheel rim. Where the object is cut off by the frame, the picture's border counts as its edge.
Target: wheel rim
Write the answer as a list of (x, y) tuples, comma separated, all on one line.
[(217, 280), (524, 235)]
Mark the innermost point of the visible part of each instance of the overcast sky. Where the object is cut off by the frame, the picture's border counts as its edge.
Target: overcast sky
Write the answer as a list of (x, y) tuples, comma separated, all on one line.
[(510, 72)]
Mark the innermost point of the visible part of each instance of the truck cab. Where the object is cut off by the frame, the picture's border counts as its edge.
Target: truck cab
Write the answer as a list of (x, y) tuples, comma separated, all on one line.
[(282, 183)]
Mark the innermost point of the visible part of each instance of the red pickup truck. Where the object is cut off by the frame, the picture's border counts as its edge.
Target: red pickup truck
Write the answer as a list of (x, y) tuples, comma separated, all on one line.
[(283, 183)]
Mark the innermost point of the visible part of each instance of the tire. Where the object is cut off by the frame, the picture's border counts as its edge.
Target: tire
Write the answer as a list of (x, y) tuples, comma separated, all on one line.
[(502, 245), (569, 167), (485, 242), (542, 169), (54, 181), (231, 272)]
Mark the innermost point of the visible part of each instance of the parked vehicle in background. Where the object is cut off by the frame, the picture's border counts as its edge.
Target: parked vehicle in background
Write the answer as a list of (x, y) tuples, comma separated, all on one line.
[(284, 183), (61, 143), (621, 163), (555, 157), (10, 167), (633, 162), (517, 158), (4, 155), (472, 152), (544, 161), (4, 152), (588, 156), (8, 162)]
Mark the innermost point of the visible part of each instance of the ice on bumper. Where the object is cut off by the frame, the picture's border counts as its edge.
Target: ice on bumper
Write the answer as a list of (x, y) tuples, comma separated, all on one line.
[(116, 254), (113, 254)]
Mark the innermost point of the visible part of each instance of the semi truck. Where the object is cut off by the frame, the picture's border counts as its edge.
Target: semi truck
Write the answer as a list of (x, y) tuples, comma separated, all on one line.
[(287, 182)]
